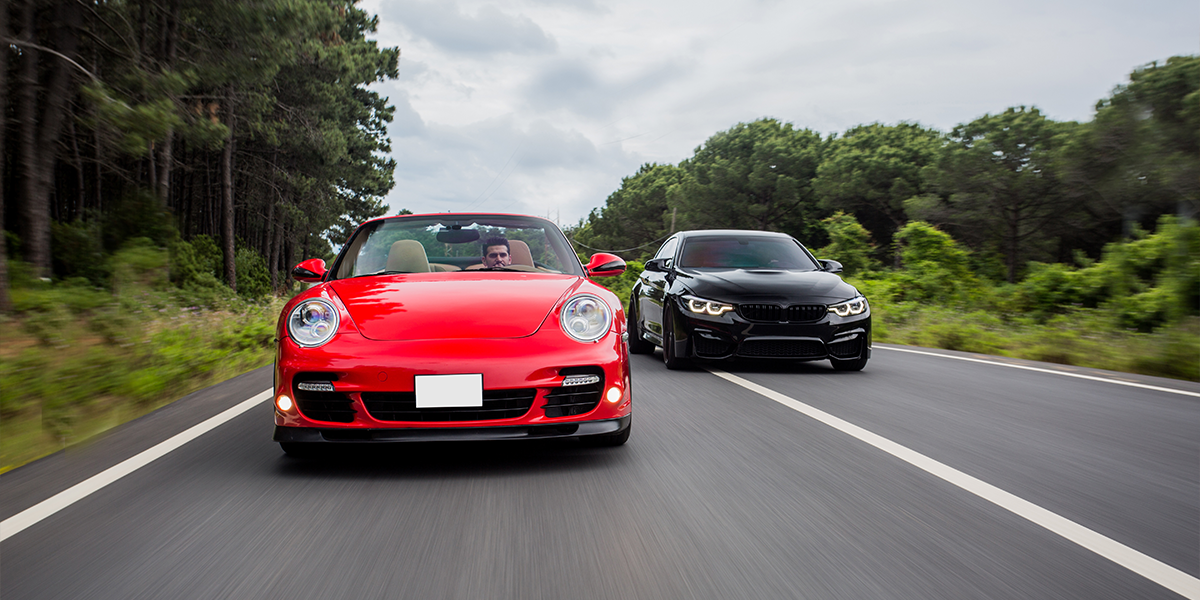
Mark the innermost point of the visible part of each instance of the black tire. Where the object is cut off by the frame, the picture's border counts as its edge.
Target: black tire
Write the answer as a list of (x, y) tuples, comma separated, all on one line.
[(673, 361), (856, 364), (299, 449), (637, 344), (608, 440)]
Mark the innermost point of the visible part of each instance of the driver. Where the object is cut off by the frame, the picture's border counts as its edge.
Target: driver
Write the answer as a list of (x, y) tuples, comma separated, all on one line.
[(496, 253)]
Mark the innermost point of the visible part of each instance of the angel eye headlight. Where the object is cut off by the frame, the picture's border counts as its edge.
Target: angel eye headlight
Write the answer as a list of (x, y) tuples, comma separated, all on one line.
[(585, 318), (854, 306), (706, 307), (312, 323)]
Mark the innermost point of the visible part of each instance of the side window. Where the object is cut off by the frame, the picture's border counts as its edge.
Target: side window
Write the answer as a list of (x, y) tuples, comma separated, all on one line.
[(668, 250)]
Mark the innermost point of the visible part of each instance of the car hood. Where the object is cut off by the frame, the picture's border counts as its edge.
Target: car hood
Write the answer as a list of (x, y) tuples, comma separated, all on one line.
[(739, 286), (451, 306)]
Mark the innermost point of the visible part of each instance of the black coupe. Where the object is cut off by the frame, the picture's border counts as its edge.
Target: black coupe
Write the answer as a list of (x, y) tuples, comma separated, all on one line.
[(724, 294)]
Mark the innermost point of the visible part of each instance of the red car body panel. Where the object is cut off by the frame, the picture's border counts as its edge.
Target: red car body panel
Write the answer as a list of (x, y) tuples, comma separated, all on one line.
[(503, 325)]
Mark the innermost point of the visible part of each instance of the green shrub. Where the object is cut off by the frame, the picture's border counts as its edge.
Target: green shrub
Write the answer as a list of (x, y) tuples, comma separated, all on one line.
[(253, 280), (140, 263), (849, 243), (622, 285), (76, 250)]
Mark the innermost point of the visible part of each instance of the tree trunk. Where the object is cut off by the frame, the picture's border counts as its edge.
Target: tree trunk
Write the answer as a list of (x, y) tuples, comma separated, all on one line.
[(5, 302), (39, 137), (166, 158), (227, 241)]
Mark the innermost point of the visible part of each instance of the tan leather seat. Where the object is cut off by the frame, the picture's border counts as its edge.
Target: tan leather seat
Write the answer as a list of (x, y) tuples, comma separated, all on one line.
[(520, 253), (408, 256)]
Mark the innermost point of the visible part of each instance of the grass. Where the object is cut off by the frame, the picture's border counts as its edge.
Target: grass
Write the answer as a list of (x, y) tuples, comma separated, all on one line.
[(76, 361)]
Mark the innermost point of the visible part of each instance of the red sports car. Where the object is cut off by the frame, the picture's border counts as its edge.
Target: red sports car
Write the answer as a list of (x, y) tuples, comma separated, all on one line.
[(453, 327)]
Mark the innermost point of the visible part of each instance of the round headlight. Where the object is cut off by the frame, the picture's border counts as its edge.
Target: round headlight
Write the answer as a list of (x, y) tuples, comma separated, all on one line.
[(585, 318), (312, 323)]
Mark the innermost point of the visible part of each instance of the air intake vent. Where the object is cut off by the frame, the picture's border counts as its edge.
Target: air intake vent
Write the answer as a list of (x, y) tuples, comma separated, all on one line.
[(335, 407), (402, 406)]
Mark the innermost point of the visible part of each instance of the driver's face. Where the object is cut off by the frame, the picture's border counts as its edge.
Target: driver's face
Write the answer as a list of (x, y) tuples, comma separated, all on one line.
[(497, 256)]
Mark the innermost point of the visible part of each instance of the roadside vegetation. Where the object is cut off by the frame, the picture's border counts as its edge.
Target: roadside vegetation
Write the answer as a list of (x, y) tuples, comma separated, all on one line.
[(1013, 234)]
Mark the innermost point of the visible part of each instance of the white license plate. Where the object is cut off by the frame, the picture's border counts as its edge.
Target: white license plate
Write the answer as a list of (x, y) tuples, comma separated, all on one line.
[(449, 391)]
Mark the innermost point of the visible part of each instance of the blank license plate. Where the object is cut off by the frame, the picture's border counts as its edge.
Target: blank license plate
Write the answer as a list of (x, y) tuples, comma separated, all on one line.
[(449, 391)]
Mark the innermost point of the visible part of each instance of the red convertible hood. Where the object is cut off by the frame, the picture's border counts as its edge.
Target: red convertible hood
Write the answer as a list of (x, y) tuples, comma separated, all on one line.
[(455, 305)]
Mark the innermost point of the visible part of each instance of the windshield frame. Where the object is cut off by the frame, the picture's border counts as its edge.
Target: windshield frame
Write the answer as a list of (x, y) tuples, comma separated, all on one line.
[(558, 242)]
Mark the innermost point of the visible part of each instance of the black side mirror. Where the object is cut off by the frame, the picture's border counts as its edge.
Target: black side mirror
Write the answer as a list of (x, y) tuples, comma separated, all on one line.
[(831, 266), (657, 265)]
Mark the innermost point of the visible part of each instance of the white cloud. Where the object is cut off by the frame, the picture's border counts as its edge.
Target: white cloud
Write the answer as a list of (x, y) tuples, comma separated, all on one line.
[(542, 106)]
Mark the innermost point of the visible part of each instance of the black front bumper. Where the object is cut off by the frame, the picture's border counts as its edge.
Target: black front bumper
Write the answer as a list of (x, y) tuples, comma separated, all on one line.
[(449, 434), (834, 339)]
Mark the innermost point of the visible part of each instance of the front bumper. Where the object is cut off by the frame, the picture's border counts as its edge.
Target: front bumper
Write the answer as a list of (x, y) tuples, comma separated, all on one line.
[(732, 336), (373, 399), (451, 434)]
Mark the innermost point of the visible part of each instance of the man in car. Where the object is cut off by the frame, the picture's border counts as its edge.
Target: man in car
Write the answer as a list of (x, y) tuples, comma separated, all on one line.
[(496, 253)]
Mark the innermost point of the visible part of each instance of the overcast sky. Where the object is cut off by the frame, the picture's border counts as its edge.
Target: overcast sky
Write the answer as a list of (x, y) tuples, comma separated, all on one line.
[(542, 106)]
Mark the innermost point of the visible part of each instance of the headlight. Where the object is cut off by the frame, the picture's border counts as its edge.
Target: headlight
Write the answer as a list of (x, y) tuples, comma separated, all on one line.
[(312, 323), (706, 307), (855, 306), (585, 318)]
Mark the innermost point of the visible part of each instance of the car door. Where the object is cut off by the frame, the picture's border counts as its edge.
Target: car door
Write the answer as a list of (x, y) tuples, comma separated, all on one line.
[(653, 290)]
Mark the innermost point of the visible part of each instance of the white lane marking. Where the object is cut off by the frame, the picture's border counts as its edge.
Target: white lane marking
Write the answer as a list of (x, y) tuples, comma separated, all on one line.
[(1150, 568), (1135, 384), (32, 515)]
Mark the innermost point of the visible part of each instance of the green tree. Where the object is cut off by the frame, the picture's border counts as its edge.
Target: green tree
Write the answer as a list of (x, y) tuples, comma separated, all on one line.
[(998, 177), (635, 216), (872, 169), (754, 176), (849, 243)]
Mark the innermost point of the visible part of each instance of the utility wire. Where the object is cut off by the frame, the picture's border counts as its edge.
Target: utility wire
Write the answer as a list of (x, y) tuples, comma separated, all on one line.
[(616, 251)]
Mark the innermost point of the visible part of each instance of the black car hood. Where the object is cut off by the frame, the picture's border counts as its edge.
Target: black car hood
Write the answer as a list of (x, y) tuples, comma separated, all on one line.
[(740, 286)]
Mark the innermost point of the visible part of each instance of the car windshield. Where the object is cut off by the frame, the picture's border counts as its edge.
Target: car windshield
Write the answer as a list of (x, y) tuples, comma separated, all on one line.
[(748, 252), (456, 243)]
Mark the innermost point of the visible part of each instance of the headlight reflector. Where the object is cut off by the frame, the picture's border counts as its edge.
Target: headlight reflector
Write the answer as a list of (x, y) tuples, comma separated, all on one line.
[(706, 307), (854, 306), (585, 318), (313, 322)]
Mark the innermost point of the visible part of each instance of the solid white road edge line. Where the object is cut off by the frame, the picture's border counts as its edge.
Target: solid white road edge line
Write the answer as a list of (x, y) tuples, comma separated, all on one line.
[(1150, 568), (32, 515), (1050, 371)]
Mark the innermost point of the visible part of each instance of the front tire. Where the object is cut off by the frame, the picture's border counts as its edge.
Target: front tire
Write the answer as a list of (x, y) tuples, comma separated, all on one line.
[(637, 344), (673, 361)]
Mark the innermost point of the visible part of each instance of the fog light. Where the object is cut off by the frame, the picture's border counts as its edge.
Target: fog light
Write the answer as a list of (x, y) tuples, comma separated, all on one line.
[(283, 403), (614, 394)]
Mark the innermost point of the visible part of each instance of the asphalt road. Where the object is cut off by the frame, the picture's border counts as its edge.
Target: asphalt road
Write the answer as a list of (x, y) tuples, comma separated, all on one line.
[(721, 492)]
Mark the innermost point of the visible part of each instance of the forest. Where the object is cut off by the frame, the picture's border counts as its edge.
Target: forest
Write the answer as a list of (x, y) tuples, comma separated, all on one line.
[(249, 125)]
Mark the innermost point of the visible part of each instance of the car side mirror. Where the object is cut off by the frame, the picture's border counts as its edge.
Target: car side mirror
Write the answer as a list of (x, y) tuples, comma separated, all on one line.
[(309, 271), (831, 266), (657, 265), (604, 264)]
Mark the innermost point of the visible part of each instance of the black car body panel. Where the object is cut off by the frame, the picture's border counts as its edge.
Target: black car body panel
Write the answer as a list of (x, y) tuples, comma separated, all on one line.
[(774, 313)]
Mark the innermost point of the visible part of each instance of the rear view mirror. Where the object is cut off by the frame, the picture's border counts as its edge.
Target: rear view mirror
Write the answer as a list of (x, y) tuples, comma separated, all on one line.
[(457, 236), (604, 264), (831, 266), (309, 271), (657, 265)]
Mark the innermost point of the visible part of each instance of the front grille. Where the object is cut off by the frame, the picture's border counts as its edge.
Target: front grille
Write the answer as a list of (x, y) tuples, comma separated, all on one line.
[(335, 407), (846, 349), (782, 348), (805, 313), (772, 313), (711, 348), (402, 406), (576, 399)]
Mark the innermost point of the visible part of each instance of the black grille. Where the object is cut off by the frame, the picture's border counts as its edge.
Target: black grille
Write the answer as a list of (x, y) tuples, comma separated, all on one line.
[(846, 349), (402, 406), (796, 313), (335, 407), (575, 399), (782, 348), (803, 313), (711, 348)]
